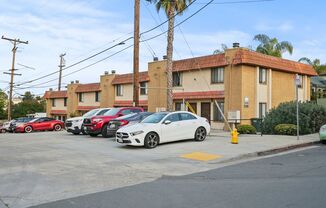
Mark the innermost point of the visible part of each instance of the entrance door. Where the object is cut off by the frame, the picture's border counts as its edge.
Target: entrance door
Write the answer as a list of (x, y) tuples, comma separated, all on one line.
[(206, 111)]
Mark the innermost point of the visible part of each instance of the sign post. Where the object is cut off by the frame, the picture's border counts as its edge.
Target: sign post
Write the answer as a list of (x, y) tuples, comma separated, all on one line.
[(297, 83)]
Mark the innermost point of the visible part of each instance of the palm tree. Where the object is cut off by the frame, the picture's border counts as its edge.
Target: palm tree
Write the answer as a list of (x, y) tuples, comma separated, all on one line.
[(222, 50), (271, 46), (171, 7), (319, 68)]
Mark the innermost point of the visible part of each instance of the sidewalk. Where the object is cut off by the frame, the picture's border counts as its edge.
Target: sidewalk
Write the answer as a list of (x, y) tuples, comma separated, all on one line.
[(255, 145)]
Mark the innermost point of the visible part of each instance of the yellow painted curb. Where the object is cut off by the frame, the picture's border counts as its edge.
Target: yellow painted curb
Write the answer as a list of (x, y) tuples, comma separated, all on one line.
[(201, 156)]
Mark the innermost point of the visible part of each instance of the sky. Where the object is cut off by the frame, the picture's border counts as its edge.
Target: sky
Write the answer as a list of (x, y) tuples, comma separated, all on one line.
[(81, 28)]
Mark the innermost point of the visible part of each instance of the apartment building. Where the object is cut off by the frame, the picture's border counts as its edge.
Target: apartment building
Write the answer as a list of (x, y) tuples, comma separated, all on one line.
[(56, 105), (245, 84)]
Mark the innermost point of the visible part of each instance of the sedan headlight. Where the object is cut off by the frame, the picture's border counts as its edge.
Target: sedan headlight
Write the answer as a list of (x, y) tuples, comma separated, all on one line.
[(136, 133), (79, 120)]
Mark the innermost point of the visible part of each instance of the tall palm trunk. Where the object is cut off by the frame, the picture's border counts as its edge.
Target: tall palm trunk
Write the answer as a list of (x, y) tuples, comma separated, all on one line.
[(169, 54)]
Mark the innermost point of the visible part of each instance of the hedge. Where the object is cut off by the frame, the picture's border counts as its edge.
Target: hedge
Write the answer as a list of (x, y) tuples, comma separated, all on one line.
[(311, 115), (286, 129), (246, 129)]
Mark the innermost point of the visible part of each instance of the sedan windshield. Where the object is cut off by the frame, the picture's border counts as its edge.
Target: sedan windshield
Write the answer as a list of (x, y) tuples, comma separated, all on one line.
[(155, 118), (112, 112), (90, 113), (35, 119)]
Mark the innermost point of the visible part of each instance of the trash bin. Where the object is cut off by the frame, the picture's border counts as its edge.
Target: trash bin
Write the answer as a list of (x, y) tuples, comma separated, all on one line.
[(257, 123)]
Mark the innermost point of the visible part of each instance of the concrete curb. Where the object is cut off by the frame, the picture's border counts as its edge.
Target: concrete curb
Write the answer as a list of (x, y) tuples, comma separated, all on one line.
[(267, 152)]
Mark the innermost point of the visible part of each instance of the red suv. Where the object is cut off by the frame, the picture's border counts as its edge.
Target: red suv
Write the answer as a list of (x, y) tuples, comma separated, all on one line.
[(98, 124)]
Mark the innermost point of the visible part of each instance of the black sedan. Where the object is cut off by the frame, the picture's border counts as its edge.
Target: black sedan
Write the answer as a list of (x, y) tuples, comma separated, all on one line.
[(129, 119)]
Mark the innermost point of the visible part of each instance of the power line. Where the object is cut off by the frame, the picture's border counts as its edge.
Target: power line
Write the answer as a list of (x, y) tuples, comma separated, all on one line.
[(238, 2), (78, 70)]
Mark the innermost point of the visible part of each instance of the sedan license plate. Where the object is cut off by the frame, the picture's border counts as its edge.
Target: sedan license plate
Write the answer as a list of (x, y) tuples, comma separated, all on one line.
[(120, 140)]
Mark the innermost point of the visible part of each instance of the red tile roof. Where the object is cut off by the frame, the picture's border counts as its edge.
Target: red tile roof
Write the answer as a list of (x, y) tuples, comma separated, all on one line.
[(92, 87), (55, 94), (58, 112), (129, 103), (128, 78), (202, 62), (87, 108), (244, 56), (198, 95)]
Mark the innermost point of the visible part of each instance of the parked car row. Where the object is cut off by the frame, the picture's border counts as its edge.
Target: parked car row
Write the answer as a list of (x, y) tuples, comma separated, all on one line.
[(133, 126), (29, 124)]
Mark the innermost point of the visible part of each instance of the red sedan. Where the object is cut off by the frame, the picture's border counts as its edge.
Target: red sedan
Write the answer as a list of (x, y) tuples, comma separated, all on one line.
[(40, 124)]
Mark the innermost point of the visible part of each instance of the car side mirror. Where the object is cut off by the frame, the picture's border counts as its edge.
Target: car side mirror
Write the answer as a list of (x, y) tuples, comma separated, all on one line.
[(167, 122)]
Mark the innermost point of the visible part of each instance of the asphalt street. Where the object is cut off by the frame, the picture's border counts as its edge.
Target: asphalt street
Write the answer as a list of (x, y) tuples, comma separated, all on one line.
[(295, 180)]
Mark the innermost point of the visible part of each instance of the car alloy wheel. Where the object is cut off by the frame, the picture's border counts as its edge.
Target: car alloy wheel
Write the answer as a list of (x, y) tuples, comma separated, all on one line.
[(151, 140), (28, 129), (200, 134), (57, 127)]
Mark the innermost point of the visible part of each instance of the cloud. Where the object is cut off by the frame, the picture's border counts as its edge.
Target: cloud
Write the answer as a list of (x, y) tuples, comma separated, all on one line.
[(282, 27)]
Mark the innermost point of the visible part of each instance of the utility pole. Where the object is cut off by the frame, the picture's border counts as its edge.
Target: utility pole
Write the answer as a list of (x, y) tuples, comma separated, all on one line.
[(12, 74), (62, 64), (136, 54)]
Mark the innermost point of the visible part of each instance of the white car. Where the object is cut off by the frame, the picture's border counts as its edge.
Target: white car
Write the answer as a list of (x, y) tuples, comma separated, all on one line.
[(164, 127), (75, 125)]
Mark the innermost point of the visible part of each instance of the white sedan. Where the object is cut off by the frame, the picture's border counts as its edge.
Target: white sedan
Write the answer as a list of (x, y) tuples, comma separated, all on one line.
[(164, 127)]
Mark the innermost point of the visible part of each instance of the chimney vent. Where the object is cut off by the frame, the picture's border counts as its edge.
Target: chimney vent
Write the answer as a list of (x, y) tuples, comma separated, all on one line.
[(165, 57), (236, 45), (71, 82), (77, 81), (50, 89), (112, 71), (106, 73), (155, 58)]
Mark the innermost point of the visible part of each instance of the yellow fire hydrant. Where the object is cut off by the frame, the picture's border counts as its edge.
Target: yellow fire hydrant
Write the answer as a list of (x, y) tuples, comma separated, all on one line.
[(234, 136)]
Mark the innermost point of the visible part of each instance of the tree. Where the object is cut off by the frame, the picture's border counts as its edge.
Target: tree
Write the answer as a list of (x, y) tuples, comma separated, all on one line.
[(171, 7), (29, 105), (222, 50), (271, 46), (319, 68), (3, 101)]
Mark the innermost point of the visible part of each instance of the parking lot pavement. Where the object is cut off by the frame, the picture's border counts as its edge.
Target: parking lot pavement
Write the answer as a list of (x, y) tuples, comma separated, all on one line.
[(47, 166)]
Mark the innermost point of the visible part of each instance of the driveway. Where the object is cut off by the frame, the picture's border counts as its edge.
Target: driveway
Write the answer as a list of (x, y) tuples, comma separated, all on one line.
[(47, 166)]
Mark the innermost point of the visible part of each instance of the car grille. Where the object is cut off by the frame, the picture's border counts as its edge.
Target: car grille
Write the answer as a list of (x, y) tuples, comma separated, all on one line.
[(87, 121), (122, 135), (68, 124)]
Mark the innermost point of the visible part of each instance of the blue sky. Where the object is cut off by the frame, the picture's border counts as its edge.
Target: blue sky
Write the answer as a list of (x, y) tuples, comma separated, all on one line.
[(81, 28)]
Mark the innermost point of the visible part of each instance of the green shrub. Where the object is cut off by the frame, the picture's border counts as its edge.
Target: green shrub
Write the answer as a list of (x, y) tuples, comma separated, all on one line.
[(246, 129), (286, 129), (311, 115)]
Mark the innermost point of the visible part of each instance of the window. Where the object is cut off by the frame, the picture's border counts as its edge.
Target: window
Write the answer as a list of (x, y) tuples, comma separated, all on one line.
[(65, 102), (53, 103), (102, 112), (81, 97), (97, 96), (262, 110), (217, 116), (126, 112), (176, 79), (173, 117), (217, 75), (178, 106), (143, 88), (118, 90), (262, 76), (301, 81), (187, 116), (135, 110)]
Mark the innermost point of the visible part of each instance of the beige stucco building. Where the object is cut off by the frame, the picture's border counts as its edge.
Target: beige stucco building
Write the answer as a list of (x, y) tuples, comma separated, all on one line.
[(243, 82)]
